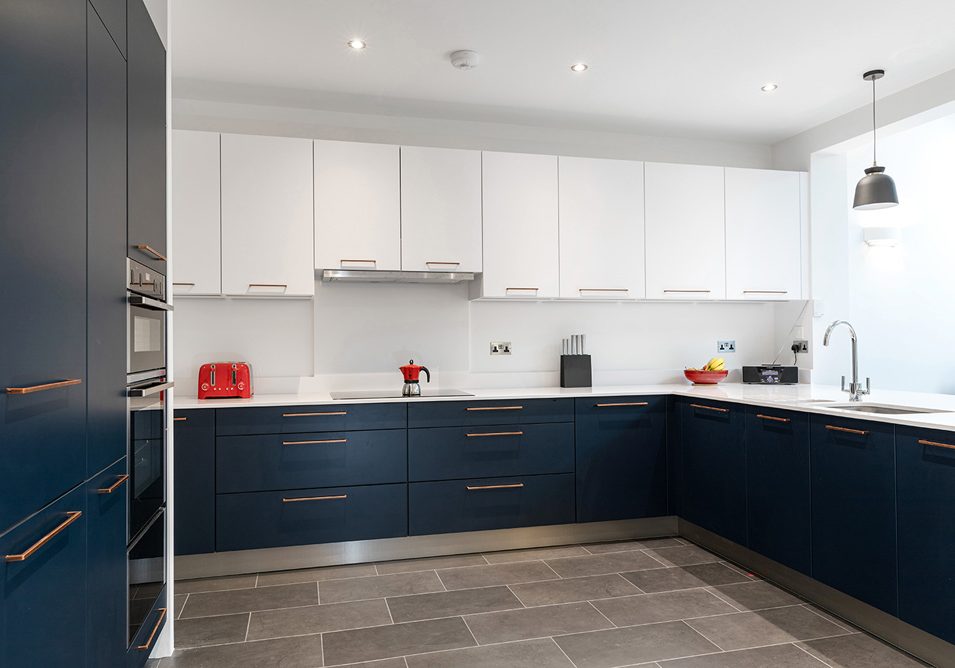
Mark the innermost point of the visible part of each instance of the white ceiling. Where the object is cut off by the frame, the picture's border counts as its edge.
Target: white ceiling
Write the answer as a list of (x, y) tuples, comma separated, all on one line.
[(676, 67)]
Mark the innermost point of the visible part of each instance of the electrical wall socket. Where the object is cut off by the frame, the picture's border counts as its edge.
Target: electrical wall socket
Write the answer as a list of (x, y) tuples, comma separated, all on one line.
[(500, 347), (726, 346), (803, 345)]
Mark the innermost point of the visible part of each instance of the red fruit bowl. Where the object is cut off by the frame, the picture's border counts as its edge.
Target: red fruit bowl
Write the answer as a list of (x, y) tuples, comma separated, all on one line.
[(705, 377)]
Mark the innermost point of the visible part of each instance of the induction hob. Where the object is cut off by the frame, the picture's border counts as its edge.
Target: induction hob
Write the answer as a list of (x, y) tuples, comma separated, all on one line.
[(396, 394)]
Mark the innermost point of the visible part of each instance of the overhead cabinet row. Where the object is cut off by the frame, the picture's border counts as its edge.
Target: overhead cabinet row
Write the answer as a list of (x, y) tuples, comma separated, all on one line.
[(257, 215)]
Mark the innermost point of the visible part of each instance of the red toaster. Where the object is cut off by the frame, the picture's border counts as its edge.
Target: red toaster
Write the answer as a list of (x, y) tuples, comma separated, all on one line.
[(225, 380)]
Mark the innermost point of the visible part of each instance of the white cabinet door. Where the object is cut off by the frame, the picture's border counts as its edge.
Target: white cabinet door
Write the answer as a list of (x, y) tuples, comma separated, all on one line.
[(601, 229), (520, 225), (763, 235), (196, 254), (686, 253), (267, 216), (357, 206), (440, 209)]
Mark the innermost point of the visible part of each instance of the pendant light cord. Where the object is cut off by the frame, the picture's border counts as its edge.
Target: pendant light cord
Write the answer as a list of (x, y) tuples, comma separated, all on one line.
[(874, 162)]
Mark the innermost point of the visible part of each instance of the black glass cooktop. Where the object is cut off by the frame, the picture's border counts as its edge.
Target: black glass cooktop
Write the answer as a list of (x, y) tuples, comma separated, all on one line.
[(396, 394)]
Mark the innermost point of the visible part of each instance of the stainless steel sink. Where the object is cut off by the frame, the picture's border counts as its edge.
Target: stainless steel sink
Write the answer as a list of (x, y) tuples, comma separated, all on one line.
[(884, 409)]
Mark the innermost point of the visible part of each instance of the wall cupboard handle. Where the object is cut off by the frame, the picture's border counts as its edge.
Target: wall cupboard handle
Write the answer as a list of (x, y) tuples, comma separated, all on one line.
[(326, 413), (344, 261), (623, 403), (603, 289), (765, 292), (846, 430), (936, 444), (494, 408), (43, 387), (301, 499), (481, 488), (442, 263), (180, 419), (71, 516), (149, 250), (535, 290), (710, 408), (112, 488), (772, 418), (687, 291), (496, 433), (152, 636), (178, 283), (268, 285), (327, 440)]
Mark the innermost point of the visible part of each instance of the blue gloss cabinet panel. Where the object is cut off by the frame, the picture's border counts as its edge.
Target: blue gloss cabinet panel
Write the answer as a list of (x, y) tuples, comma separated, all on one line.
[(42, 258), (304, 516), (485, 413), (106, 499), (490, 503), (714, 467), (777, 485), (300, 419), (296, 461), (195, 476), (853, 508), (621, 458), (925, 465), (465, 452), (43, 593), (113, 15)]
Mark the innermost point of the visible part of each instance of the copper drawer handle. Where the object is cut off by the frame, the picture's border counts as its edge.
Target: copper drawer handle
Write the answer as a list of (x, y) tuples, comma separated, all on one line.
[(30, 389), (112, 488), (71, 516), (772, 418), (496, 433), (445, 264), (314, 414), (327, 440), (857, 432), (180, 419), (936, 444), (300, 499), (494, 408), (479, 488), (149, 250), (623, 403), (710, 408), (152, 636)]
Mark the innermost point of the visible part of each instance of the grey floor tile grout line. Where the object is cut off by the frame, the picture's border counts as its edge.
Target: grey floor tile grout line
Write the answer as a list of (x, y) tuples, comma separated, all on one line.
[(561, 649), (523, 605), (470, 632), (716, 592), (703, 635), (650, 554), (318, 591), (440, 581), (803, 649), (242, 612), (831, 618), (248, 623), (377, 572), (388, 608), (256, 581), (321, 647)]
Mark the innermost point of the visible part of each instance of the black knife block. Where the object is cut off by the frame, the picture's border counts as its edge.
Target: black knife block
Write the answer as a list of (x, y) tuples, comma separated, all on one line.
[(575, 371)]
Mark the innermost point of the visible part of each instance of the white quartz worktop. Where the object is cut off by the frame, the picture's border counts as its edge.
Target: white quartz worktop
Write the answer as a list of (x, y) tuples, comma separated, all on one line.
[(790, 397)]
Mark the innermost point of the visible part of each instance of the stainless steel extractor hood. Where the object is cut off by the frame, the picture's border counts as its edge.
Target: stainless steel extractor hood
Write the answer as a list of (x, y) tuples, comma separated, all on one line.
[(373, 276)]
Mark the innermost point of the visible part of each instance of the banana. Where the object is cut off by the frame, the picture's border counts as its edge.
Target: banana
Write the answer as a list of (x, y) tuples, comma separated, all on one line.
[(715, 364)]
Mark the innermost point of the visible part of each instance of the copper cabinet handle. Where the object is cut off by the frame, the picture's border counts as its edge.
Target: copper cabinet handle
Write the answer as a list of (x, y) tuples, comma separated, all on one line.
[(687, 291), (43, 387), (479, 488), (180, 419), (152, 636), (496, 433), (149, 250), (623, 403), (71, 516), (494, 408), (857, 432), (710, 408), (327, 440), (765, 292), (936, 444), (300, 499), (112, 488), (314, 414), (447, 264), (772, 418)]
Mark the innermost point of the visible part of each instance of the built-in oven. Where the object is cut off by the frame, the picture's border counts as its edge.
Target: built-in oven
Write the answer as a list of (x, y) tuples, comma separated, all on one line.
[(146, 319), (146, 572), (146, 449)]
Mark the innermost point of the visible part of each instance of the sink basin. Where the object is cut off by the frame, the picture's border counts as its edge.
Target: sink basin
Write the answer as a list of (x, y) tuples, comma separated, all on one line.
[(884, 409)]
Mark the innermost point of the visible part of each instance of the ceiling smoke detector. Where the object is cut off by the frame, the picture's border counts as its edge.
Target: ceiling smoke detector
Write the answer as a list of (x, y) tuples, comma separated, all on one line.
[(465, 60)]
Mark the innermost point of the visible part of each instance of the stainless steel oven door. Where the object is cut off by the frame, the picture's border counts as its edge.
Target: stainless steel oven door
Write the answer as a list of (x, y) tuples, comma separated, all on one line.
[(147, 450), (145, 334), (146, 572)]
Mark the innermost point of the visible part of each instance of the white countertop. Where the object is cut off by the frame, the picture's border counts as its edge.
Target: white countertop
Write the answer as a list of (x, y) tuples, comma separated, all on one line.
[(788, 397)]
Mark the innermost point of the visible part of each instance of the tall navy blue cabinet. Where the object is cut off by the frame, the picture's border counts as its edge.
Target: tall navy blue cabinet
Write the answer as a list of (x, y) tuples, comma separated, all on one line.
[(621, 457), (853, 508), (925, 469), (777, 485), (714, 467), (112, 13)]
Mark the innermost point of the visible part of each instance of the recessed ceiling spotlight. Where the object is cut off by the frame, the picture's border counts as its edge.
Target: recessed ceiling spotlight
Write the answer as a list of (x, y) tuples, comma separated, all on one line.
[(769, 88), (357, 44), (579, 67)]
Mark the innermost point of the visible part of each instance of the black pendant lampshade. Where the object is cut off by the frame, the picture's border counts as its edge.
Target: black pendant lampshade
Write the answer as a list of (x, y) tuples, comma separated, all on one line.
[(875, 190)]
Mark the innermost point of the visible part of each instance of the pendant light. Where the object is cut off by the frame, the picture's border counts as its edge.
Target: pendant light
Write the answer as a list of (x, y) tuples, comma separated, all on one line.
[(875, 190)]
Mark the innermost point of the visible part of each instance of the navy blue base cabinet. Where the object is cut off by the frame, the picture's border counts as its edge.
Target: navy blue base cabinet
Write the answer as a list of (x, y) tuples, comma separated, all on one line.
[(777, 486), (621, 458), (853, 509), (300, 419), (926, 506), (714, 468), (195, 476)]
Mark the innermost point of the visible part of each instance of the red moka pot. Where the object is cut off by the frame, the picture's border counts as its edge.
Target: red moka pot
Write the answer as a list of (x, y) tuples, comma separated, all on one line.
[(412, 373)]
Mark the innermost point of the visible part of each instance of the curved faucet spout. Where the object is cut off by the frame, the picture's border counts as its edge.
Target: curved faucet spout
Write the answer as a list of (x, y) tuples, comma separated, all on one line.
[(855, 389), (852, 331)]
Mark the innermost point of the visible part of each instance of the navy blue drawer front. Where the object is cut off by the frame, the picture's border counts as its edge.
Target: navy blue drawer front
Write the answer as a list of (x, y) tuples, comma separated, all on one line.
[(297, 419), (195, 492), (305, 516), (460, 452), (485, 413), (296, 461), (490, 503), (142, 646)]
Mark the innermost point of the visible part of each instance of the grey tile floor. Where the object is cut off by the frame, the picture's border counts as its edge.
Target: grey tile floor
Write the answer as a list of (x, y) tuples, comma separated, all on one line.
[(661, 603)]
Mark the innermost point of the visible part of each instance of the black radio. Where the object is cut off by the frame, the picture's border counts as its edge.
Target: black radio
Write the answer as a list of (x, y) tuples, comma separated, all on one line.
[(771, 374)]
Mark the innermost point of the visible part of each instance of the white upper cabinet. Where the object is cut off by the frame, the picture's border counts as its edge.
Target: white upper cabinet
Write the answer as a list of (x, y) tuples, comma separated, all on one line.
[(267, 226), (357, 206), (601, 229), (195, 213), (440, 209), (763, 234), (520, 225), (686, 253)]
